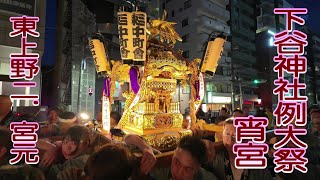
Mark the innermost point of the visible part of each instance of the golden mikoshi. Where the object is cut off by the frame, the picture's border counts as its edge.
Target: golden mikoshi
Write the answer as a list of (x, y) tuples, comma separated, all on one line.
[(152, 111)]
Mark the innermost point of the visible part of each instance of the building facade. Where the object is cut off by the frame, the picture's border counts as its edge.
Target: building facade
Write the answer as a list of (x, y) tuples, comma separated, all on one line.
[(316, 61), (196, 20), (74, 73), (268, 24), (243, 27), (83, 68), (312, 77), (106, 23)]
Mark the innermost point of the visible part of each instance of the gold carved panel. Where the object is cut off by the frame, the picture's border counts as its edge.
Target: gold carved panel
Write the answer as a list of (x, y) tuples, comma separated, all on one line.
[(150, 139), (177, 120), (148, 121), (167, 84), (163, 121), (136, 121), (165, 142)]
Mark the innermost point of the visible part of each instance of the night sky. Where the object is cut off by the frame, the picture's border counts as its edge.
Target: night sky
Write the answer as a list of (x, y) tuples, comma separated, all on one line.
[(313, 18)]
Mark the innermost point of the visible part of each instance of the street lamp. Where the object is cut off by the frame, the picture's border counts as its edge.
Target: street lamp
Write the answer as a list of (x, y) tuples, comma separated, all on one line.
[(84, 116), (271, 33)]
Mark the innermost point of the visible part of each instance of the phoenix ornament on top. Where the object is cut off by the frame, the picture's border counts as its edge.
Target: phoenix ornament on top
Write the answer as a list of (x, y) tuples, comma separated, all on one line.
[(163, 29)]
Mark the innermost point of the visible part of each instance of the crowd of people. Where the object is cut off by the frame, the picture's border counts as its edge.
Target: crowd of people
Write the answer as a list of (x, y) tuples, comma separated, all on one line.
[(70, 150), (312, 139)]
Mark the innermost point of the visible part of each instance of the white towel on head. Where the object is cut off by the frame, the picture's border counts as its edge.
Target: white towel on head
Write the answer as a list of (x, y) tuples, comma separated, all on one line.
[(68, 120)]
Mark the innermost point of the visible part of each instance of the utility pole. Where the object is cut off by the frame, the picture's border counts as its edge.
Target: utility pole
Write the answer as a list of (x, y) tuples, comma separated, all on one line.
[(232, 88), (234, 48), (79, 87)]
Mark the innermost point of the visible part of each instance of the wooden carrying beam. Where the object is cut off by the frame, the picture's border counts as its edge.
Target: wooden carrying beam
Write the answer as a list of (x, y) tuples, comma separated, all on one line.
[(212, 127)]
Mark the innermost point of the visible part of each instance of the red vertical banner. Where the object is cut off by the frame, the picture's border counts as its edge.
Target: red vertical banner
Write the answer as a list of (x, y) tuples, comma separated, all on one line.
[(24, 67), (291, 111)]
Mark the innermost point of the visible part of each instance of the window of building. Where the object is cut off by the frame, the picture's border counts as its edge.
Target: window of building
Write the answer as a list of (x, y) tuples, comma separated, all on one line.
[(185, 22), (219, 70), (209, 86), (186, 90), (214, 88), (281, 3), (244, 24), (172, 13), (245, 13), (229, 88), (236, 22), (143, 8), (219, 87), (185, 54), (187, 4), (185, 38), (227, 71)]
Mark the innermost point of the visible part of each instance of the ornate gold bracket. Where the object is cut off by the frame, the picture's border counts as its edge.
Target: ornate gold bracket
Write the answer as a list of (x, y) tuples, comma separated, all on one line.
[(193, 68)]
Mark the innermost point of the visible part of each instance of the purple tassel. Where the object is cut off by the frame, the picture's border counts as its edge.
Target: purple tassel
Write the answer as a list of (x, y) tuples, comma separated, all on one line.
[(197, 87), (134, 81), (107, 87)]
